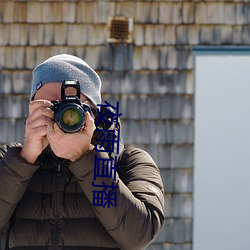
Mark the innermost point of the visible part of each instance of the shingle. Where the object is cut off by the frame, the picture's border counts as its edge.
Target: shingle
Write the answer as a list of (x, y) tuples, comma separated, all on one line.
[(102, 10), (6, 82), (183, 134), (158, 132), (189, 82), (48, 12), (25, 106), (68, 12), (201, 13), (164, 151), (237, 34), (30, 55), (142, 83), (153, 107), (7, 131), (168, 179), (181, 231), (176, 80), (44, 52), (125, 8), (57, 12), (138, 34), (36, 34), (116, 82), (123, 57), (133, 107), (187, 107), (12, 106), (143, 12), (106, 58), (242, 12), (165, 107), (21, 82), (206, 35), (245, 34), (120, 55), (19, 130), (8, 61), (137, 58), (92, 55), (77, 34), (168, 205), (181, 156), (96, 35), (159, 35), (20, 12), (150, 58), (159, 83), (172, 61), (128, 83), (84, 12), (34, 13), (4, 31), (184, 58), (183, 181), (60, 34), (19, 57), (229, 13), (153, 151), (182, 34), (193, 34), (165, 12), (182, 206), (170, 34), (154, 12), (106, 78), (149, 34), (8, 11), (226, 33), (215, 13), (188, 12), (48, 34), (130, 130), (170, 13)]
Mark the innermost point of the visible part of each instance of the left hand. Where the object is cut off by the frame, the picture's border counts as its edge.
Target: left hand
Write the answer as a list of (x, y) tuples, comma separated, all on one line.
[(71, 146)]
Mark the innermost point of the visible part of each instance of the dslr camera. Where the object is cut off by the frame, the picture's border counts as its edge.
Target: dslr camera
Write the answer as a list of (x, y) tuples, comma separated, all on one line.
[(70, 112)]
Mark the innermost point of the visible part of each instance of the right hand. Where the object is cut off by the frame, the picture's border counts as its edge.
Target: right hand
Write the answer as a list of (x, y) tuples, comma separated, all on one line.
[(35, 140)]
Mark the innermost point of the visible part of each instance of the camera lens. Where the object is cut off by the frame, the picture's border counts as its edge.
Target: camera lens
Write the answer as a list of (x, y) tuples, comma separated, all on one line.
[(70, 117)]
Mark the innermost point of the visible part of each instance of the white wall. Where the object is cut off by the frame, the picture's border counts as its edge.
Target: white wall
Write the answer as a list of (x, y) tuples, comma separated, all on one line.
[(222, 153)]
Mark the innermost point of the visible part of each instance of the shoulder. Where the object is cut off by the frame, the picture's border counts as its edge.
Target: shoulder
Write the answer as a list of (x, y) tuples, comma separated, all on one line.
[(136, 164), (5, 147)]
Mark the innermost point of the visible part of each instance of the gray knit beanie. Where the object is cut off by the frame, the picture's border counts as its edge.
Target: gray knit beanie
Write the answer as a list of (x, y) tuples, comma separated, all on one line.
[(67, 67)]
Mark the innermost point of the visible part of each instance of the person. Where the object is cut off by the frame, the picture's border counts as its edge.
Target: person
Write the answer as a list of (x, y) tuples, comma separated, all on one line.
[(59, 190)]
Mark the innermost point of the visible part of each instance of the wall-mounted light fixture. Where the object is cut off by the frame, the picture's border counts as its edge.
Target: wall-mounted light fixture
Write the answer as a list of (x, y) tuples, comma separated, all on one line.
[(119, 29)]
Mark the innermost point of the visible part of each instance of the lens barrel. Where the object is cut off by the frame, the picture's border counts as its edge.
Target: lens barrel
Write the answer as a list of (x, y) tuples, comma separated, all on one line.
[(70, 117)]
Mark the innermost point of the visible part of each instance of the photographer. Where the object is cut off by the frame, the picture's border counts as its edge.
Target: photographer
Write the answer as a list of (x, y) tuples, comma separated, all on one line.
[(67, 189)]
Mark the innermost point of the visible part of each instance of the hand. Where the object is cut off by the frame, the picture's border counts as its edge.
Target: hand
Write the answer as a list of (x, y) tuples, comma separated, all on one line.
[(71, 146), (35, 141)]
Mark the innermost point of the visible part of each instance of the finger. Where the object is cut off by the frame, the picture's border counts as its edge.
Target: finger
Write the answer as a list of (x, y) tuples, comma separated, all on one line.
[(38, 103), (89, 124), (39, 121), (41, 111)]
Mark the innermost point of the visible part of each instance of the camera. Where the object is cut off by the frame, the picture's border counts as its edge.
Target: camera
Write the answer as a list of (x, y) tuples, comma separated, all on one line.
[(70, 112)]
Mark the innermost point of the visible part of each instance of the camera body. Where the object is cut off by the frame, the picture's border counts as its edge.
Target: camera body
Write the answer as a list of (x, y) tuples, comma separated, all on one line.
[(70, 112)]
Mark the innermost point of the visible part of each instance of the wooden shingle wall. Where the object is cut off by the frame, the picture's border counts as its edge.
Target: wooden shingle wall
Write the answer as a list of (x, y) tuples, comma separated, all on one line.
[(153, 78)]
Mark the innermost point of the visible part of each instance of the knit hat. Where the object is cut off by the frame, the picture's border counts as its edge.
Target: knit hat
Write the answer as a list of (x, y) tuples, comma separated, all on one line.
[(67, 67)]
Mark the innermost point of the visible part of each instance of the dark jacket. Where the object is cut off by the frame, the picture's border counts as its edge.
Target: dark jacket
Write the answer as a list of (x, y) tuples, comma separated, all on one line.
[(49, 205)]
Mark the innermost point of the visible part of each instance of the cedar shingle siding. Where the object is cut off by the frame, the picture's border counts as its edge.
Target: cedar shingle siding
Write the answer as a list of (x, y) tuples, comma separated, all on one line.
[(152, 78)]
